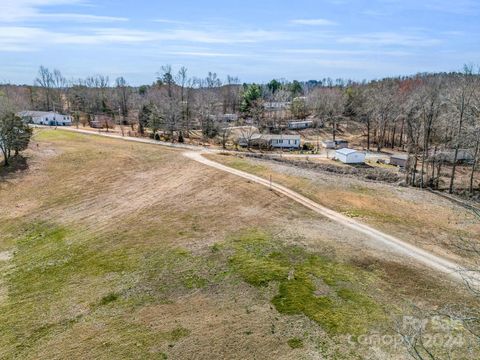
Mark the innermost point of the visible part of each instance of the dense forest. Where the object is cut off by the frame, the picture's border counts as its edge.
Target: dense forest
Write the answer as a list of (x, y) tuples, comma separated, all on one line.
[(432, 117)]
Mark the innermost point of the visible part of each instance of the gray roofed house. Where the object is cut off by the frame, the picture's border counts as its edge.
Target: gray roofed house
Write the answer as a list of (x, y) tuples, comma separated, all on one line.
[(46, 118)]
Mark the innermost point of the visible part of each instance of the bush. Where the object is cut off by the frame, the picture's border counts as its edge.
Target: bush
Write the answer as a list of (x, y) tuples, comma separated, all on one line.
[(308, 147)]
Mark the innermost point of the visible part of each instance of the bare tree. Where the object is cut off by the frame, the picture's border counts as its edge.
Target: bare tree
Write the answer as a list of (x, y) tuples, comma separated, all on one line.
[(461, 99), (185, 84), (123, 97), (329, 106), (45, 81), (431, 102)]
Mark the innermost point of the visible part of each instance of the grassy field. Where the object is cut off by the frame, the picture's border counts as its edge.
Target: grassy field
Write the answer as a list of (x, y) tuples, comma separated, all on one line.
[(111, 250)]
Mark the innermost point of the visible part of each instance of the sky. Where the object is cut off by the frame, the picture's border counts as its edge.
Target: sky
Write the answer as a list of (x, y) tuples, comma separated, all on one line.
[(255, 40)]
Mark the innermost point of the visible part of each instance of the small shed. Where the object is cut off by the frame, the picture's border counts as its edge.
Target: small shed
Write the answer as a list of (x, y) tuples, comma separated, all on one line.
[(328, 144), (350, 156), (399, 160), (340, 143), (335, 144)]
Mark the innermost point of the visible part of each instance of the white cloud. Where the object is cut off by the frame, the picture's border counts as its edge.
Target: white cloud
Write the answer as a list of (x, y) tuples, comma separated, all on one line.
[(22, 38), (313, 22), (203, 54), (388, 39), (334, 52), (14, 11), (167, 21)]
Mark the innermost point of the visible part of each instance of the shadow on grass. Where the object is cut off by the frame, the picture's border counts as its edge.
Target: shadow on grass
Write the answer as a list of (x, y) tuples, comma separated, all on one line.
[(16, 164)]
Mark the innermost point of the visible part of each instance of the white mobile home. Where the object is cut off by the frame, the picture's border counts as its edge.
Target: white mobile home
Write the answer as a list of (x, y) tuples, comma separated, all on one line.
[(46, 118), (350, 156), (300, 124), (276, 105), (272, 141), (283, 141)]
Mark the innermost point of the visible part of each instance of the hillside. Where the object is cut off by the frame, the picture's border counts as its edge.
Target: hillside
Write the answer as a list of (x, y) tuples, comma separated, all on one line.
[(111, 249)]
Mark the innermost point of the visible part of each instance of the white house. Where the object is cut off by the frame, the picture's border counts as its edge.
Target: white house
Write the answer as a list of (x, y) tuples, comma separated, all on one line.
[(46, 118), (274, 141), (276, 105), (283, 141), (300, 124), (350, 156), (229, 117)]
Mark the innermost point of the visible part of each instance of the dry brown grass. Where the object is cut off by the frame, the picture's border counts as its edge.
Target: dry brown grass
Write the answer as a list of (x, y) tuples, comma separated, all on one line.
[(121, 250)]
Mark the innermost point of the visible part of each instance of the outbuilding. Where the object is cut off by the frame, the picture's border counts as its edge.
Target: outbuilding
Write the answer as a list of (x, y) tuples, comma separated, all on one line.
[(350, 156), (340, 143), (335, 144), (399, 160), (328, 144)]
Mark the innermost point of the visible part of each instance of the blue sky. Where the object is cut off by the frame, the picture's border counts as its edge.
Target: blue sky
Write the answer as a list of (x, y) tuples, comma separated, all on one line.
[(254, 40)]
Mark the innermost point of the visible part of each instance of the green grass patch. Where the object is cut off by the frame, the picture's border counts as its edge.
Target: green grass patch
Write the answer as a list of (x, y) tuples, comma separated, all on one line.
[(309, 284), (295, 343), (375, 215), (243, 165), (57, 135), (107, 299), (176, 334)]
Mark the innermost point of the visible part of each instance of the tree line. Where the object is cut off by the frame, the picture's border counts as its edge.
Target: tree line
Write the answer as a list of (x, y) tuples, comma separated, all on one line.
[(424, 115)]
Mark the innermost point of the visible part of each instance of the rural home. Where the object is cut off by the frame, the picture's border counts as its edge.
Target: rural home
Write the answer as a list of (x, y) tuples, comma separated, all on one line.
[(273, 141), (276, 105), (350, 156), (294, 125), (283, 141), (229, 117), (45, 118), (463, 156), (399, 160)]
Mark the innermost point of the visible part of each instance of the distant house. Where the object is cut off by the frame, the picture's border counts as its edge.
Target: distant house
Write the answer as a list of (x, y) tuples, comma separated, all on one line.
[(399, 160), (283, 141), (45, 118), (276, 105), (273, 141), (297, 125), (229, 117), (350, 156), (464, 155), (337, 144)]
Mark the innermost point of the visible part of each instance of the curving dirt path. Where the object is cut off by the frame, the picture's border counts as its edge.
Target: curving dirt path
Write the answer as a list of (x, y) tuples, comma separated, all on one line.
[(397, 245)]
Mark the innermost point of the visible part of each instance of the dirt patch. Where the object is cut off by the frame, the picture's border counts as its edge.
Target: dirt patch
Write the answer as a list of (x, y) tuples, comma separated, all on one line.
[(5, 255)]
